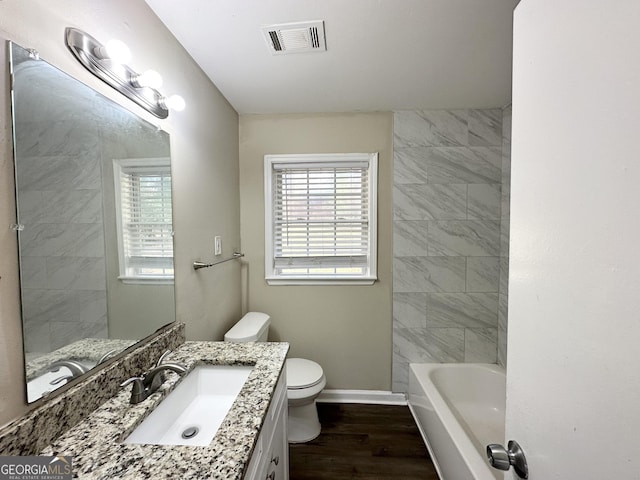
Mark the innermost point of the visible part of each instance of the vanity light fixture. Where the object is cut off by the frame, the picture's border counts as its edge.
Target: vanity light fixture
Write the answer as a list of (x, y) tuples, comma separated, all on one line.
[(174, 102), (114, 50), (108, 63), (148, 78)]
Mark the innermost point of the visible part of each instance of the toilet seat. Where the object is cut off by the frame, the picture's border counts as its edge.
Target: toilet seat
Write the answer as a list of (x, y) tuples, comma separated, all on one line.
[(303, 373)]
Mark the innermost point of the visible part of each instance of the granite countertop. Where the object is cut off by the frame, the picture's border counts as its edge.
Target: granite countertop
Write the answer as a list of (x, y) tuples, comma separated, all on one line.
[(96, 443)]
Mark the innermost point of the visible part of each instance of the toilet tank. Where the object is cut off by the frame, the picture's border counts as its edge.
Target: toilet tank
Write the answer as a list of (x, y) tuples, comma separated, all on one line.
[(253, 327)]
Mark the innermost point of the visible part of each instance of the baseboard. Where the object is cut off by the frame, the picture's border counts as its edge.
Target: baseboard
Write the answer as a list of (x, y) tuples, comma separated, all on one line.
[(375, 397)]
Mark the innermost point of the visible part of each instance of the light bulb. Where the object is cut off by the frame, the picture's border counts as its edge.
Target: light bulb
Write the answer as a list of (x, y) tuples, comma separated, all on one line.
[(149, 78), (118, 51), (174, 102)]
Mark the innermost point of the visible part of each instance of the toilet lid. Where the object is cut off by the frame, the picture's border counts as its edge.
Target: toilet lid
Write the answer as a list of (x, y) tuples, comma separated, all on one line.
[(302, 373)]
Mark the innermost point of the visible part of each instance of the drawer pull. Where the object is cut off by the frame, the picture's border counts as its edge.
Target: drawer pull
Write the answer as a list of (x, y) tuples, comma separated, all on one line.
[(275, 460), (271, 476)]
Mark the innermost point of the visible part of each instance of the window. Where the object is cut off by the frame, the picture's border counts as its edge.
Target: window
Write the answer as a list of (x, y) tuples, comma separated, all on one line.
[(320, 218), (143, 217)]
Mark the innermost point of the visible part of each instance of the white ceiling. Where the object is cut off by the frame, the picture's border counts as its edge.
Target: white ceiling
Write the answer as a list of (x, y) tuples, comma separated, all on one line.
[(381, 54)]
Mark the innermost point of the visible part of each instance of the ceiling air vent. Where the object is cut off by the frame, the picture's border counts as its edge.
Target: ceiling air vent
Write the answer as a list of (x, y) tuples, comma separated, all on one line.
[(295, 37)]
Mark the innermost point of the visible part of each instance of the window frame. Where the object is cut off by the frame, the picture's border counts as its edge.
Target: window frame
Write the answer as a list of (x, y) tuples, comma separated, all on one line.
[(120, 165), (274, 278)]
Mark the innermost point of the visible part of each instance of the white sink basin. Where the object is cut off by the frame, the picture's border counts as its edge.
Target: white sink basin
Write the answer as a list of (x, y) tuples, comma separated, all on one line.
[(200, 401)]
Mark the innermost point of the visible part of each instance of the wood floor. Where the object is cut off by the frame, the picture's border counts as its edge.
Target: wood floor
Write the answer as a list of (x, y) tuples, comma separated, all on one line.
[(373, 442)]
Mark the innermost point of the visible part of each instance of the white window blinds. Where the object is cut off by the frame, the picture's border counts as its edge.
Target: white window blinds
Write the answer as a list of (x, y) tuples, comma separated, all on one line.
[(322, 216), (143, 190)]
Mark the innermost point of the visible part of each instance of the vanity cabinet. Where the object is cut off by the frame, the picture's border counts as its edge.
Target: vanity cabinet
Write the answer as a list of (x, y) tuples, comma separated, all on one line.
[(270, 459)]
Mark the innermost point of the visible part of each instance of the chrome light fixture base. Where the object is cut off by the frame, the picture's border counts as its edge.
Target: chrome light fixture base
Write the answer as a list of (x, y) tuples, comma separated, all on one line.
[(121, 77)]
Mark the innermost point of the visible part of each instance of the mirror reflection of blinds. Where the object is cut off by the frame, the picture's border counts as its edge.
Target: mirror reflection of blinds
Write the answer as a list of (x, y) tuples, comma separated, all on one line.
[(321, 215), (146, 217)]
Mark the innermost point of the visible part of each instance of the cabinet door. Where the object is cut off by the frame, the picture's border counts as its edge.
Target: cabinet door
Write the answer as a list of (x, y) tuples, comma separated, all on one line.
[(279, 457), (256, 465), (270, 460)]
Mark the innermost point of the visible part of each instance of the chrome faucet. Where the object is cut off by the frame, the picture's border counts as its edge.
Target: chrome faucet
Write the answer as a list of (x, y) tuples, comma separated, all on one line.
[(151, 381), (160, 379), (76, 369), (108, 355)]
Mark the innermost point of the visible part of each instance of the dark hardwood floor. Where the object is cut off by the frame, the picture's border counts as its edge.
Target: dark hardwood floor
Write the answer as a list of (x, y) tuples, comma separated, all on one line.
[(374, 442)]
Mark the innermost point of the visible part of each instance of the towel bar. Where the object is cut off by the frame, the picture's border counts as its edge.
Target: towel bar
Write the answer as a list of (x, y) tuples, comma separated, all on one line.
[(198, 265)]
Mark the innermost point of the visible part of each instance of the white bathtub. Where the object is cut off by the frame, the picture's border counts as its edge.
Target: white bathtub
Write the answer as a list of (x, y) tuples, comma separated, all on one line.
[(459, 409)]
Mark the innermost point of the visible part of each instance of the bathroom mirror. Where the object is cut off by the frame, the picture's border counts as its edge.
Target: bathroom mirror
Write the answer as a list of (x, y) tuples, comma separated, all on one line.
[(93, 195)]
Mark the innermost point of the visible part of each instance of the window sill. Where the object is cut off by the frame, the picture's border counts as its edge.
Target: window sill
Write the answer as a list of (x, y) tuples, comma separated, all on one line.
[(146, 280), (320, 281)]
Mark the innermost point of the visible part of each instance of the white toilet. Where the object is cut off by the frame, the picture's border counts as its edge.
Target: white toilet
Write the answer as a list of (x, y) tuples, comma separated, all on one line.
[(305, 378)]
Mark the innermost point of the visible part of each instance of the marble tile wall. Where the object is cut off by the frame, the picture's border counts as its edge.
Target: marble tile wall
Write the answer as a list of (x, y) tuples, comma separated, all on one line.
[(505, 200), (447, 234), (62, 245)]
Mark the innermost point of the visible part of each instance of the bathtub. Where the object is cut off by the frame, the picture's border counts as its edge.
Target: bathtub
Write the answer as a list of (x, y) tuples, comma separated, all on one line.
[(459, 409)]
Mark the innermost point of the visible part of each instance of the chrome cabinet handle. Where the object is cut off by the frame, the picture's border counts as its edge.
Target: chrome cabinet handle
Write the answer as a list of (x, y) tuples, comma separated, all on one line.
[(503, 459), (271, 476), (275, 460)]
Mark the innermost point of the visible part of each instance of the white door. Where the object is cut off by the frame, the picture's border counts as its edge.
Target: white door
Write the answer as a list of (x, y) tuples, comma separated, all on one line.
[(573, 387)]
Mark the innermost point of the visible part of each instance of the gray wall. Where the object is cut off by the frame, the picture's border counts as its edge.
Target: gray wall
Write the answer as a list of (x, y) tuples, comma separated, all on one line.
[(447, 209)]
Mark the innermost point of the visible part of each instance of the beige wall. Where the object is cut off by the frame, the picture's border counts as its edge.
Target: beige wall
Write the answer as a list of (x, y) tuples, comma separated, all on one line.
[(204, 146), (347, 329)]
